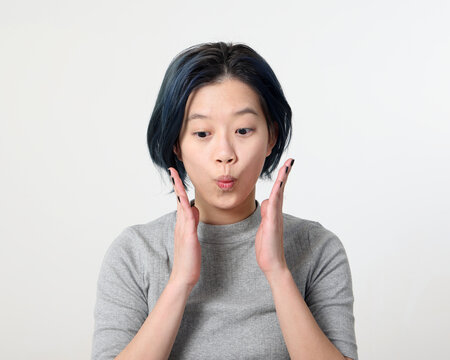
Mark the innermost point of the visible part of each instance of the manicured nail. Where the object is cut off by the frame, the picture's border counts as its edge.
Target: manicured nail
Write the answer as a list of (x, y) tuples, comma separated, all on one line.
[(173, 180), (281, 183), (292, 162), (169, 172), (178, 198), (286, 169)]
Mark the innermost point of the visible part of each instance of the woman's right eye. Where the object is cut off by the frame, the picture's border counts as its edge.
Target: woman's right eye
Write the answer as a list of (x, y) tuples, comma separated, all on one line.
[(201, 133)]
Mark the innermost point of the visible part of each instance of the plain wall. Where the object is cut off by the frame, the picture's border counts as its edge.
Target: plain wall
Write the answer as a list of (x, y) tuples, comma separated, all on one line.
[(369, 86)]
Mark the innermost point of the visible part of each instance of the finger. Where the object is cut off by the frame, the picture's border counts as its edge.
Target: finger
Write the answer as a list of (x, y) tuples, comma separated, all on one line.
[(276, 196), (177, 186), (182, 198), (287, 170)]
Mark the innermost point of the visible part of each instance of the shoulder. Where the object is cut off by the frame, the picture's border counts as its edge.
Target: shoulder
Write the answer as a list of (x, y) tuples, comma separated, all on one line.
[(313, 232), (143, 238), (312, 237), (155, 231), (322, 239)]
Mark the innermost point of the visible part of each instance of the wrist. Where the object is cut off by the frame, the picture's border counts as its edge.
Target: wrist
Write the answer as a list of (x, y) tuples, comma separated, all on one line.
[(180, 287), (278, 275)]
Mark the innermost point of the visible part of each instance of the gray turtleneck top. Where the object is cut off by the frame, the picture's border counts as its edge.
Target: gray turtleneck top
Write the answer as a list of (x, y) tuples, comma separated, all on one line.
[(230, 313)]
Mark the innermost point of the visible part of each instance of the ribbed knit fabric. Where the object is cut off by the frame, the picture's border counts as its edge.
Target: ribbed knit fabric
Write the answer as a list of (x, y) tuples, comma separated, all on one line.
[(230, 313)]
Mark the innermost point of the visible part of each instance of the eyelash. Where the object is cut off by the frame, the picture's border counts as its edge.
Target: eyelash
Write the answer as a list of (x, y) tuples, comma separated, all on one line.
[(199, 137)]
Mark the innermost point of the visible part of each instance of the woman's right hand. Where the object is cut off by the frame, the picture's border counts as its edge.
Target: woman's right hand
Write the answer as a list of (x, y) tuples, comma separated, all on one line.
[(187, 249)]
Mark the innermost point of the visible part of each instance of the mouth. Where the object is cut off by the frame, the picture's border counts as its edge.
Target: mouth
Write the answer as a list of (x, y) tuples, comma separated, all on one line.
[(225, 184)]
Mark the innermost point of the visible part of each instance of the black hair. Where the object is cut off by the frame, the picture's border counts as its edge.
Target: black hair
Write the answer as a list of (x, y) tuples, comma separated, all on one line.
[(208, 63)]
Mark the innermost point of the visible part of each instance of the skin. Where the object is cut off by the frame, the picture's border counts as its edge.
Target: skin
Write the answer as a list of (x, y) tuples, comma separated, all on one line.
[(224, 150), (213, 146)]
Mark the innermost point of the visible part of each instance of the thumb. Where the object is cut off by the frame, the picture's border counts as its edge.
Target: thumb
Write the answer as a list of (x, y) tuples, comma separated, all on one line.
[(264, 207), (196, 213)]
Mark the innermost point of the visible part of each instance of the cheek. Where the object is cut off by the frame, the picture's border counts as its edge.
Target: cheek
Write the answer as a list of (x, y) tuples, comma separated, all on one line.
[(254, 162), (194, 163), (256, 153)]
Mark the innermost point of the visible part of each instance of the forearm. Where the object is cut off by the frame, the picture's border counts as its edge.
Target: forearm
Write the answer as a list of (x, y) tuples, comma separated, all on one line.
[(303, 337), (157, 334)]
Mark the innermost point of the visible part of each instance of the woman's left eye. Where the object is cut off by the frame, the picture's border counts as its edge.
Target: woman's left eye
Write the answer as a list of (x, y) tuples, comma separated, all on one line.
[(239, 130)]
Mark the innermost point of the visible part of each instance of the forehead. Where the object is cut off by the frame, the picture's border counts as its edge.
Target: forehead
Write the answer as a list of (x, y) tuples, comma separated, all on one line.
[(230, 95)]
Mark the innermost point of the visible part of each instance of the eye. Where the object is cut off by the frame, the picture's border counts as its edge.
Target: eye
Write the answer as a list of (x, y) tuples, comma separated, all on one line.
[(200, 132), (203, 134), (246, 129)]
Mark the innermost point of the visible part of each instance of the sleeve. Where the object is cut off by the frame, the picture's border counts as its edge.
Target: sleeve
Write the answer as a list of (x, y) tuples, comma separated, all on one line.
[(329, 292), (121, 305)]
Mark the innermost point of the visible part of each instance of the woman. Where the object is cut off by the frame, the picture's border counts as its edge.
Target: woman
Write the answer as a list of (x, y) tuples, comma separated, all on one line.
[(224, 277)]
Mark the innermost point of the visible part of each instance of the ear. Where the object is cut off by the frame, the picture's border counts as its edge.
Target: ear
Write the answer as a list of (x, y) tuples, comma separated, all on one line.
[(273, 139), (177, 151)]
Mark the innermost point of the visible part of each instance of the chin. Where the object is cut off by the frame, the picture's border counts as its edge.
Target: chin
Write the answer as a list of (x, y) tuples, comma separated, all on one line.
[(231, 200)]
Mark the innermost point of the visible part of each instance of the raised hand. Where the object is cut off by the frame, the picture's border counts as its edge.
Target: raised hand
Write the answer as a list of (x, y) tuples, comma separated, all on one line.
[(269, 237), (187, 249)]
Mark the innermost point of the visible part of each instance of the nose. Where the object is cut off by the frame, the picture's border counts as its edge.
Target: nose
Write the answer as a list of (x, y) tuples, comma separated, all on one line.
[(225, 153)]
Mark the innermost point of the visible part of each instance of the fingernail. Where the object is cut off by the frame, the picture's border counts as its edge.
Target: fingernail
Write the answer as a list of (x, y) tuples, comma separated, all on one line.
[(286, 169), (292, 162), (173, 180), (281, 183), (169, 172), (178, 198)]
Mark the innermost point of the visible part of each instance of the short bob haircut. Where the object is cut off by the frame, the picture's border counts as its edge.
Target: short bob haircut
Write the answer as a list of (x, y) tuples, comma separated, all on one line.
[(205, 64)]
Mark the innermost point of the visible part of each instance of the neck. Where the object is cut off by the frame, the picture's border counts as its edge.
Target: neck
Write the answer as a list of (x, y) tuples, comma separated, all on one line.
[(224, 211)]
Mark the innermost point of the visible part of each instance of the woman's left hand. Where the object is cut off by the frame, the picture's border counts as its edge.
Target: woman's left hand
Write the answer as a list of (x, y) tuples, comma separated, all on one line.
[(269, 237)]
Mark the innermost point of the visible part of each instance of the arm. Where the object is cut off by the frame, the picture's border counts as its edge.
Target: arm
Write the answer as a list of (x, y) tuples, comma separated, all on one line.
[(304, 338), (326, 312), (322, 325), (156, 337), (123, 324)]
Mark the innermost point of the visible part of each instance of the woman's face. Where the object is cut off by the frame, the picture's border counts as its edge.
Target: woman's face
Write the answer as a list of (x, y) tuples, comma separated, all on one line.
[(224, 133)]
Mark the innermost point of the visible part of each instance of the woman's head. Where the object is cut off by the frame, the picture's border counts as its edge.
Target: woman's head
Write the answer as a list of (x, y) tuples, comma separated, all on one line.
[(207, 64)]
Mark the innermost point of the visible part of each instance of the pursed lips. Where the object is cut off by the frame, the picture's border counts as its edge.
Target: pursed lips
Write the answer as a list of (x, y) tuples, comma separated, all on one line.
[(226, 178)]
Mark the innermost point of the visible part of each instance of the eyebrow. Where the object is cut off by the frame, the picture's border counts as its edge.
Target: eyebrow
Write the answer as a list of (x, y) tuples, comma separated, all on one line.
[(246, 110)]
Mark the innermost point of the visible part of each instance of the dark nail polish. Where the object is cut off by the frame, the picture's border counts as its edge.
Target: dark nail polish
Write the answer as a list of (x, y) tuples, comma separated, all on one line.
[(170, 174), (281, 183), (173, 180), (292, 162), (178, 199), (286, 169)]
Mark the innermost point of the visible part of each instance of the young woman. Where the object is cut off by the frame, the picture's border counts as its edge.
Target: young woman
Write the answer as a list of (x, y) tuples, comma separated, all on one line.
[(223, 276)]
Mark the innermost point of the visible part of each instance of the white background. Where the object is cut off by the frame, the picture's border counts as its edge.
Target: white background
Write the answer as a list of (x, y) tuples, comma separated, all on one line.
[(369, 86)]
